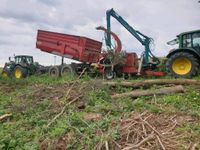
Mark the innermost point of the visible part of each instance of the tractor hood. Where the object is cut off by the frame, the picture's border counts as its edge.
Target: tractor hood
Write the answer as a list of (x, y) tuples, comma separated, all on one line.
[(173, 42)]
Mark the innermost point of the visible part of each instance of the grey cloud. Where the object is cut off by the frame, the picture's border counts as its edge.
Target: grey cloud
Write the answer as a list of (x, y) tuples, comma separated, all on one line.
[(25, 17), (49, 2)]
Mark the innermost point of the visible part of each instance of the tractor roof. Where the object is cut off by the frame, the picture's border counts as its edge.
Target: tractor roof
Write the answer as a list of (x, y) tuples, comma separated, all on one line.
[(23, 56), (193, 31)]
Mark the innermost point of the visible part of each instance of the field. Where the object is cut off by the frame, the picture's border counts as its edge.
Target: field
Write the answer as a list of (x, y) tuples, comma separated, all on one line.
[(87, 117)]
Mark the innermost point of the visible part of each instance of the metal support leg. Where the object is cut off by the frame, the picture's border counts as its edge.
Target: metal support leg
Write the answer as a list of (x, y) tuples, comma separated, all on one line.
[(62, 61), (140, 65)]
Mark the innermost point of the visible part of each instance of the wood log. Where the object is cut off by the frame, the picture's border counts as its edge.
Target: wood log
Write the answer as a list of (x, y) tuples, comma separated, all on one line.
[(5, 116), (138, 93), (151, 82)]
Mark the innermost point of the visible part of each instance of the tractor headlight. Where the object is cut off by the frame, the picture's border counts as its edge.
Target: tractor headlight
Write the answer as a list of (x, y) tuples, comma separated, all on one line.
[(8, 67)]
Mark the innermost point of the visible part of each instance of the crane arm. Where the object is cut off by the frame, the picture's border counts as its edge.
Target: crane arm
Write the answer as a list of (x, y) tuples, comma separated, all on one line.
[(143, 39), (138, 35)]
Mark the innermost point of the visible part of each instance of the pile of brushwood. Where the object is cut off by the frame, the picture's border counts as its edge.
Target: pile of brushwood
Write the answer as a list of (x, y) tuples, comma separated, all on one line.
[(150, 131)]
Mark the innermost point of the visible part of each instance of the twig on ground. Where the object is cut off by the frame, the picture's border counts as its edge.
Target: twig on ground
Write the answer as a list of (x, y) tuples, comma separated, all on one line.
[(161, 144), (170, 129), (119, 146), (5, 116), (194, 146), (72, 101), (152, 127), (144, 129), (140, 143), (62, 111), (76, 81), (106, 145)]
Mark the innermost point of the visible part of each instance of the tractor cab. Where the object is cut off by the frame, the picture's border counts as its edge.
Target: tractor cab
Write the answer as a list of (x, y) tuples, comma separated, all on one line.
[(23, 59), (190, 40), (187, 40)]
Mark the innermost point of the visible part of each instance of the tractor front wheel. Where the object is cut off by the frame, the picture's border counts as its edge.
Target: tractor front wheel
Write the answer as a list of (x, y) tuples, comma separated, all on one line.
[(5, 74), (182, 65), (20, 72)]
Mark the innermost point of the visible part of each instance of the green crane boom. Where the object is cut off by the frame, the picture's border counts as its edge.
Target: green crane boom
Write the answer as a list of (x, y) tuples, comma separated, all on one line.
[(143, 39)]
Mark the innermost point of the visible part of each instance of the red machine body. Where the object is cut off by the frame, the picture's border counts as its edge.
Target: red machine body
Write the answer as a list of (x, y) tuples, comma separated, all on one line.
[(70, 46), (131, 65)]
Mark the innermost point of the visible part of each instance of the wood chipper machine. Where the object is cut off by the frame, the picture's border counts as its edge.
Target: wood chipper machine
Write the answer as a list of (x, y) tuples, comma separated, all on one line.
[(146, 65), (89, 52)]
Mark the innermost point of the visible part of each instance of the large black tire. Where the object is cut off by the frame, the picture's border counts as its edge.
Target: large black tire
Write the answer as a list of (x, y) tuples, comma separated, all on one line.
[(182, 65), (67, 70), (20, 72), (109, 74), (54, 71)]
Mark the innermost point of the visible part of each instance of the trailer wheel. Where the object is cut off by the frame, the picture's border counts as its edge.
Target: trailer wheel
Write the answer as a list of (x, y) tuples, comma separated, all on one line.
[(109, 74), (67, 70), (54, 71), (20, 72)]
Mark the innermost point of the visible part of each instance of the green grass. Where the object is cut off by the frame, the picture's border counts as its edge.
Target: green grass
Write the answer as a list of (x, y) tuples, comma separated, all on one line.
[(27, 128)]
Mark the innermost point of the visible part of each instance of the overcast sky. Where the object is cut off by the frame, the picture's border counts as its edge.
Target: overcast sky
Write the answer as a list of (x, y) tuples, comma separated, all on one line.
[(160, 19)]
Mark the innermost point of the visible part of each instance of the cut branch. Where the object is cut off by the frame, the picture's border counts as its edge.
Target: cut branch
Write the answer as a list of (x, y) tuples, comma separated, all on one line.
[(5, 116), (66, 105), (150, 137), (62, 111), (138, 93), (161, 144)]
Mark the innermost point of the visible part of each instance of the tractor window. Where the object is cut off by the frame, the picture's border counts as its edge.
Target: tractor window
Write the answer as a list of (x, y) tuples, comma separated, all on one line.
[(18, 60), (24, 60), (29, 60), (187, 40), (196, 39)]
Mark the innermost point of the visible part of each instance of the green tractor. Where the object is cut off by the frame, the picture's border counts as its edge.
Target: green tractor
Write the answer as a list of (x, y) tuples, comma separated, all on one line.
[(21, 67), (184, 62)]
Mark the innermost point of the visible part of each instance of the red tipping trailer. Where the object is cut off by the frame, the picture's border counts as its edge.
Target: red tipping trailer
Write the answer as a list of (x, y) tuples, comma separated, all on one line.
[(70, 46), (79, 48)]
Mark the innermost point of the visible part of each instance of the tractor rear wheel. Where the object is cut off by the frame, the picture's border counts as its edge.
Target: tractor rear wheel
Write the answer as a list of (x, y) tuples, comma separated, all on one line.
[(20, 72), (182, 65), (54, 71), (66, 70)]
